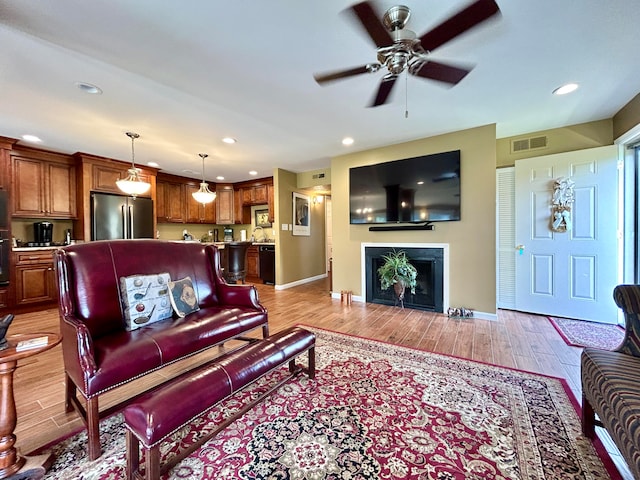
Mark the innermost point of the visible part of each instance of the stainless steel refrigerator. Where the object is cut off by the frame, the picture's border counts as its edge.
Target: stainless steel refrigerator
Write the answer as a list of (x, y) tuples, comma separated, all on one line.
[(119, 216)]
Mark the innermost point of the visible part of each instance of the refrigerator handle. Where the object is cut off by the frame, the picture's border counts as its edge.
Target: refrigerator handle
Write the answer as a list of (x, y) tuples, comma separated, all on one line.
[(131, 224), (124, 222)]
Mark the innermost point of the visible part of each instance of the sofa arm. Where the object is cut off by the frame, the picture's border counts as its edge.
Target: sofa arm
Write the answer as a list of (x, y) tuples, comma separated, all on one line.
[(240, 295), (77, 348), (627, 297)]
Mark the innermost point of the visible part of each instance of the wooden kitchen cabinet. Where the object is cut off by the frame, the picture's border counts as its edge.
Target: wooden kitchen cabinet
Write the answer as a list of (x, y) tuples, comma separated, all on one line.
[(272, 214), (225, 214), (35, 278), (254, 195), (253, 261), (170, 202), (43, 189), (197, 212)]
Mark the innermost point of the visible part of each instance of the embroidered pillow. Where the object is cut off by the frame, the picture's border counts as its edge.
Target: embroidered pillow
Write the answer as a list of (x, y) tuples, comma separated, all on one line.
[(145, 299), (183, 297)]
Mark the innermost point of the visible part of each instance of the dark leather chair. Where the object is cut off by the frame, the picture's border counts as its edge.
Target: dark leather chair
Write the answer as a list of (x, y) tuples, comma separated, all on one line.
[(236, 261)]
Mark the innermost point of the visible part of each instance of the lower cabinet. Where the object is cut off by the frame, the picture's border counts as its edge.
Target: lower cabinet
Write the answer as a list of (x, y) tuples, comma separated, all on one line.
[(35, 279), (253, 262), (4, 297)]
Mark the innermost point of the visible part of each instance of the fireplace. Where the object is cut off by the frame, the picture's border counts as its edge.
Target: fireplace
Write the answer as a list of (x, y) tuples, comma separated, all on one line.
[(432, 264)]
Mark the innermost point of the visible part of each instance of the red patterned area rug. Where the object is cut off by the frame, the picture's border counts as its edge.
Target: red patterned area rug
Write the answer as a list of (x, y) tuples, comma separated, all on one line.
[(378, 411), (581, 333)]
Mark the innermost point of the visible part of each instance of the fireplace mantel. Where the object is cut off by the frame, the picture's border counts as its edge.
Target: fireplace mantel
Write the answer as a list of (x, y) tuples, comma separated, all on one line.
[(407, 246)]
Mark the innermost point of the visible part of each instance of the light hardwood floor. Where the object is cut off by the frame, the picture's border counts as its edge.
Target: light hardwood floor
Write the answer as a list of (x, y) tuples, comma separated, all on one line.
[(515, 339)]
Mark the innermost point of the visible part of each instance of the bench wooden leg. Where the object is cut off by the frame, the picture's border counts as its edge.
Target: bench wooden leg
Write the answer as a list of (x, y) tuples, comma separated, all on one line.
[(93, 428), (133, 455), (152, 463), (311, 369), (312, 362), (588, 418)]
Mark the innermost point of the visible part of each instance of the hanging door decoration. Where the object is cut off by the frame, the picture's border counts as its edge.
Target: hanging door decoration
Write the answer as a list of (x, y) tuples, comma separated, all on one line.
[(561, 204)]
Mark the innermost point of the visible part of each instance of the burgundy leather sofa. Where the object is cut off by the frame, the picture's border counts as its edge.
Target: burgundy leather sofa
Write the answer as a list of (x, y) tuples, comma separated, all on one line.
[(101, 354)]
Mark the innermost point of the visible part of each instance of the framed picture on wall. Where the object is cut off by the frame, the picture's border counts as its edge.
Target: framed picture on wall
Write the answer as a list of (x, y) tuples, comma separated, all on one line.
[(262, 218), (301, 214)]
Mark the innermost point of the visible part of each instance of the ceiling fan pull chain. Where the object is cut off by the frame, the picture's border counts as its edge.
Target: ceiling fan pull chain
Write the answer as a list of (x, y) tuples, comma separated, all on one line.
[(406, 95)]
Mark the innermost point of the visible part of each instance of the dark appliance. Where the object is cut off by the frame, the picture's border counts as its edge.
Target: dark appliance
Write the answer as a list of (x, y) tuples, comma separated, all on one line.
[(412, 190), (228, 234), (42, 233), (5, 241), (119, 216), (267, 258)]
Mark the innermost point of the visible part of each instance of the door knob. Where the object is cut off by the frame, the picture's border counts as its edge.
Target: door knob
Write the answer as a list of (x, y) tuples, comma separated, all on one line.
[(520, 249)]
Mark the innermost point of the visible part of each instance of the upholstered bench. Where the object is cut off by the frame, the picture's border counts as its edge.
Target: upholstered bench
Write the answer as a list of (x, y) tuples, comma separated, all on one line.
[(164, 410), (611, 383)]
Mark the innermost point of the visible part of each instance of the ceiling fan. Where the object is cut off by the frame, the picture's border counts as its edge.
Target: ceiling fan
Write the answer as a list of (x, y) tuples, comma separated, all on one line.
[(399, 49)]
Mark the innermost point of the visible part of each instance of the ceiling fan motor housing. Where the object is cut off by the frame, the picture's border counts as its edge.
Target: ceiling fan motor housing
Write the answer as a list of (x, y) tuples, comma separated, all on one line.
[(396, 17)]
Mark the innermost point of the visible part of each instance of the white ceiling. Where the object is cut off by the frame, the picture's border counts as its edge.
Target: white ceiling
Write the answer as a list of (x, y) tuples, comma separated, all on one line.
[(185, 74)]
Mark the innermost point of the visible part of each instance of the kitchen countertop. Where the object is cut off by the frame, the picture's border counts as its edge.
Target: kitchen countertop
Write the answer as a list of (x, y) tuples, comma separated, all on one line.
[(54, 247)]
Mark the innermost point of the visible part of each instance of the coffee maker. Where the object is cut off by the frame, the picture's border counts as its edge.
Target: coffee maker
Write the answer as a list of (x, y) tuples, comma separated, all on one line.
[(42, 233), (228, 234)]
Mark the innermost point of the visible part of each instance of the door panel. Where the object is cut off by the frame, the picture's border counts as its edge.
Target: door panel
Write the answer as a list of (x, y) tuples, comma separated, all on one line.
[(568, 274)]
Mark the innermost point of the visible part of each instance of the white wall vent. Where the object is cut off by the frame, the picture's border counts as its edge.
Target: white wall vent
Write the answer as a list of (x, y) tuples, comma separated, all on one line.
[(532, 143)]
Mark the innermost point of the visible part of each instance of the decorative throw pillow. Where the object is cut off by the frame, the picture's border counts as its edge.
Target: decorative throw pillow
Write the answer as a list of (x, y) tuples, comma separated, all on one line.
[(145, 299), (183, 297)]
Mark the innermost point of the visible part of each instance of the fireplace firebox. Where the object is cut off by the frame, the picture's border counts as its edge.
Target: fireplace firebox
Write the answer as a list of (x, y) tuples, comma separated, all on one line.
[(429, 289)]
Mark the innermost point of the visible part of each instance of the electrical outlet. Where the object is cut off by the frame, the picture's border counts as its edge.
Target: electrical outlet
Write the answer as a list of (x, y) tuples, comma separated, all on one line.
[(285, 227)]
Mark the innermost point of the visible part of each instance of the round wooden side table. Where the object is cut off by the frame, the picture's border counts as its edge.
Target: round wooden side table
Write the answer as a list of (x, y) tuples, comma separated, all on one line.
[(11, 462)]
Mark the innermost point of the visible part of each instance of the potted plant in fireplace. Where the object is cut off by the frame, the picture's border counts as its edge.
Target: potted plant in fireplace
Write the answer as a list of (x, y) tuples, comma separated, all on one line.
[(398, 272)]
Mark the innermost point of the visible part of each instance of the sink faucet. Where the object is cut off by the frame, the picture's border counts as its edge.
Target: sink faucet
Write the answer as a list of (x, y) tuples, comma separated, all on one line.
[(263, 238)]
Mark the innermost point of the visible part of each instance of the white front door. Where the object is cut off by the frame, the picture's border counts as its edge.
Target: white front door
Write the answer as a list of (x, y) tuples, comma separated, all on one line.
[(570, 274)]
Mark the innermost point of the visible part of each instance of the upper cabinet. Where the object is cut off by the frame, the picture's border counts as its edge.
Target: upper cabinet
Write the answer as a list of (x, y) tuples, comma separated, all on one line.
[(255, 192), (104, 178), (170, 206), (43, 188), (197, 212), (224, 204), (254, 195)]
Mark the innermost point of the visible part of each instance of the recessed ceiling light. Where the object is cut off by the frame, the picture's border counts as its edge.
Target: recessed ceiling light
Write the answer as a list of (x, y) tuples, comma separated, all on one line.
[(89, 88), (219, 177), (564, 89), (153, 164), (229, 140), (346, 141), (253, 172), (420, 182), (31, 138)]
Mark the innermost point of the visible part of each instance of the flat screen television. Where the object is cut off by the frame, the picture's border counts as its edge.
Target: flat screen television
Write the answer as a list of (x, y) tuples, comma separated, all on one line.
[(412, 190)]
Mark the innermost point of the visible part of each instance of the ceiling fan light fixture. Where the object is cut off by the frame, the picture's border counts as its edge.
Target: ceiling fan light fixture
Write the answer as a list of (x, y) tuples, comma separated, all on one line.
[(203, 195), (133, 185)]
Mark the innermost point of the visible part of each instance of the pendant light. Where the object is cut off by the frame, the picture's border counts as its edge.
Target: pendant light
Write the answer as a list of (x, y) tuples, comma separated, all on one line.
[(204, 195), (133, 185)]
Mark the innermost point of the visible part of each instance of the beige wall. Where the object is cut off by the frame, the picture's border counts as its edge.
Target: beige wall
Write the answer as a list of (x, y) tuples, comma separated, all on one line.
[(471, 240), (559, 140), (297, 257), (627, 117)]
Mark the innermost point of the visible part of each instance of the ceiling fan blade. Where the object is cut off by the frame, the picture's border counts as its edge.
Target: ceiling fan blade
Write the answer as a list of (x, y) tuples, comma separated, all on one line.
[(370, 20), (441, 72), (331, 76), (462, 21), (384, 90)]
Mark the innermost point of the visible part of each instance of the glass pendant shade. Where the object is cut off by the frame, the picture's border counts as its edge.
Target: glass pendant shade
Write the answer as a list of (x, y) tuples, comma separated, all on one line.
[(133, 185), (204, 195)]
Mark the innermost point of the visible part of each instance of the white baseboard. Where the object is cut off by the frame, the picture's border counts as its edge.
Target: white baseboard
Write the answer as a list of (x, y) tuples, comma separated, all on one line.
[(481, 315), (300, 282)]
